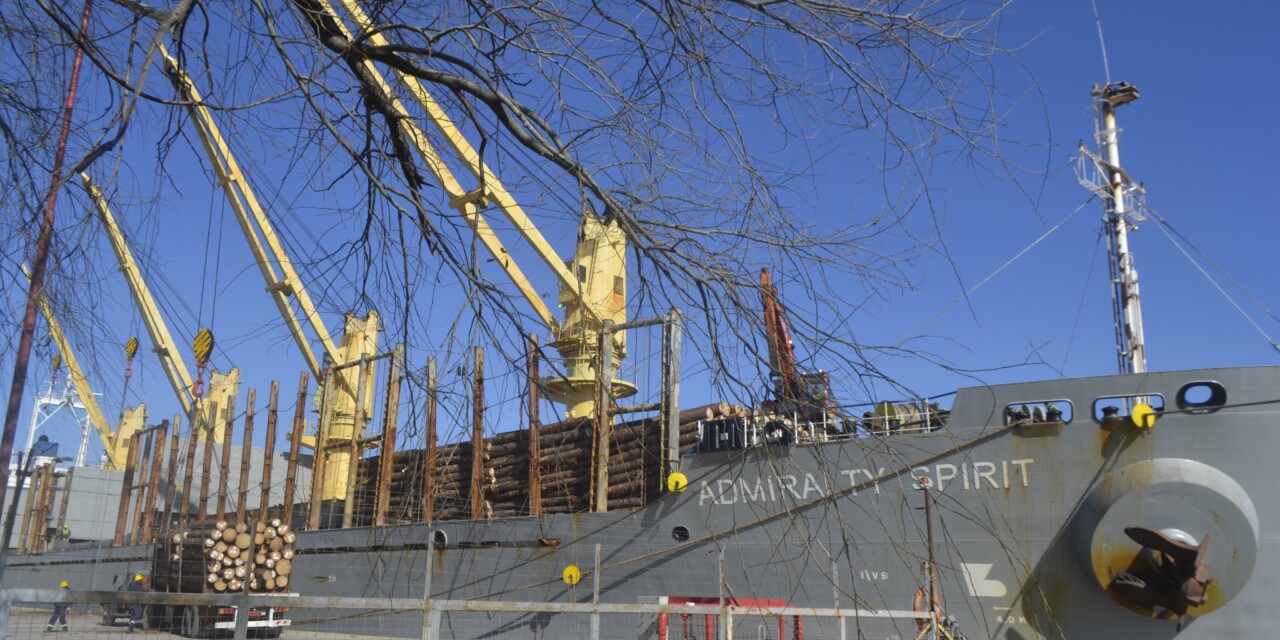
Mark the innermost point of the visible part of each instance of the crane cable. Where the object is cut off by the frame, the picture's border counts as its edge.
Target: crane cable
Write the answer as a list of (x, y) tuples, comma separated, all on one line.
[(1166, 228), (1084, 294), (203, 342), (130, 350), (907, 336)]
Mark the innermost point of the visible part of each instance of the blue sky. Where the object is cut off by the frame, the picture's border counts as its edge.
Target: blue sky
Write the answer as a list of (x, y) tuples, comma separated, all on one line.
[(1202, 139)]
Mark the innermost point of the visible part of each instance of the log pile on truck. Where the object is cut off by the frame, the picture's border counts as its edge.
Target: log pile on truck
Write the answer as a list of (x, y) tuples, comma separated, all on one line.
[(226, 556)]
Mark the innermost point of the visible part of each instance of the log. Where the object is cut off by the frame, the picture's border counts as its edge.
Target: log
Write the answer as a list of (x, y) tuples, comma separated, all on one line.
[(243, 540), (284, 567)]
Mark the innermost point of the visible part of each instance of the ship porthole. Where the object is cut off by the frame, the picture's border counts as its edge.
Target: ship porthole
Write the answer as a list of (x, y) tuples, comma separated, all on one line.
[(680, 533), (1201, 397), (440, 540)]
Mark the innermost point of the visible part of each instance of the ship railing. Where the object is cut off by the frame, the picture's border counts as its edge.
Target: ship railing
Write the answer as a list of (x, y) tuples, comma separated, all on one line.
[(746, 432)]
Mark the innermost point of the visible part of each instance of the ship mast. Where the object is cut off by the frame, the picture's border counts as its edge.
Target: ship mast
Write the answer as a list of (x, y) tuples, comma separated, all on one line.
[(1122, 198)]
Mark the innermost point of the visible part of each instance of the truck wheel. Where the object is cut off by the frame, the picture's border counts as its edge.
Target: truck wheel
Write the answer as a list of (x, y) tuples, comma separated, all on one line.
[(190, 623)]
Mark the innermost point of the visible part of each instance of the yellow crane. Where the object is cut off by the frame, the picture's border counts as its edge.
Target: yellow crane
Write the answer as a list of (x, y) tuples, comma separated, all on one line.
[(360, 335), (593, 286), (114, 442), (221, 386)]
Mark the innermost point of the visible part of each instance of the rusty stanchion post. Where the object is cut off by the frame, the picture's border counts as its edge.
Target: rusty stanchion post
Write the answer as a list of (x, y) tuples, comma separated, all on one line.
[(477, 436), (355, 446), (122, 515), (389, 417), (171, 475), (224, 459), (429, 475), (136, 535), (28, 542), (602, 435), (322, 443), (295, 443), (208, 459), (153, 484), (246, 452), (190, 470), (535, 423), (264, 493), (66, 497)]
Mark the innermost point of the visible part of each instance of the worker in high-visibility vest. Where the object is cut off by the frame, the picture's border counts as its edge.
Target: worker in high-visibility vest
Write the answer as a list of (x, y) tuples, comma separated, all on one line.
[(59, 612)]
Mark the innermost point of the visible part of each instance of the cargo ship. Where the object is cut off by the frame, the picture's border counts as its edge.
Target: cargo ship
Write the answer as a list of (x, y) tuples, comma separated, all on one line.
[(1122, 505)]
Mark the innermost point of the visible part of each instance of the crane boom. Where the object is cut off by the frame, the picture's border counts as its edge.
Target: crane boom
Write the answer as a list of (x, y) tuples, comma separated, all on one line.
[(263, 241), (360, 337), (804, 394), (467, 203), (782, 354), (175, 368), (592, 284), (85, 393)]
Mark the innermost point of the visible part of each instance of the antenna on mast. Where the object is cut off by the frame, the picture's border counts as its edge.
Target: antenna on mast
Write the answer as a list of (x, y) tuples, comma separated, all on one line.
[(1124, 203)]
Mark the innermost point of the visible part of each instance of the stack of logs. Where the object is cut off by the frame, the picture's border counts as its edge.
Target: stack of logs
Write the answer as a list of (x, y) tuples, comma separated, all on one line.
[(224, 556), (635, 465)]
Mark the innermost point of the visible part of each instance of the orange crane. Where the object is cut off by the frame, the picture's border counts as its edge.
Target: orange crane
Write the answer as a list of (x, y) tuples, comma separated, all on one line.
[(805, 395)]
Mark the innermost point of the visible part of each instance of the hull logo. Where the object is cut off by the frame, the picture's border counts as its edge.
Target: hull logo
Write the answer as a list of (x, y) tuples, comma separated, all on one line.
[(981, 586)]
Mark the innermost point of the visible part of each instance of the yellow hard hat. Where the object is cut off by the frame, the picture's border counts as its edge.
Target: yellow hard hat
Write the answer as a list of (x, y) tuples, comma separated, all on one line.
[(137, 578), (63, 584)]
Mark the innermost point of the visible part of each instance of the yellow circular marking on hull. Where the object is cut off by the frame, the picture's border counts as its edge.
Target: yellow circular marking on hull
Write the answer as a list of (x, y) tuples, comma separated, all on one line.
[(677, 482), (572, 575), (1144, 416)]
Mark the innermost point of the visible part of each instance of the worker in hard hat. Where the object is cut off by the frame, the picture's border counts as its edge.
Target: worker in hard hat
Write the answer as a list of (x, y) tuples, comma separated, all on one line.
[(59, 612), (135, 610)]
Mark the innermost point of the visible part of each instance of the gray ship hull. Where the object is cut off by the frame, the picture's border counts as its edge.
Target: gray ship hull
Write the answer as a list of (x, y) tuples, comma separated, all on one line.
[(1029, 520)]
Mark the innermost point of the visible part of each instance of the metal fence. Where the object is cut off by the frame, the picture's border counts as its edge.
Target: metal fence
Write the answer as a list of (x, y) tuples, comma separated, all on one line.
[(25, 610)]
